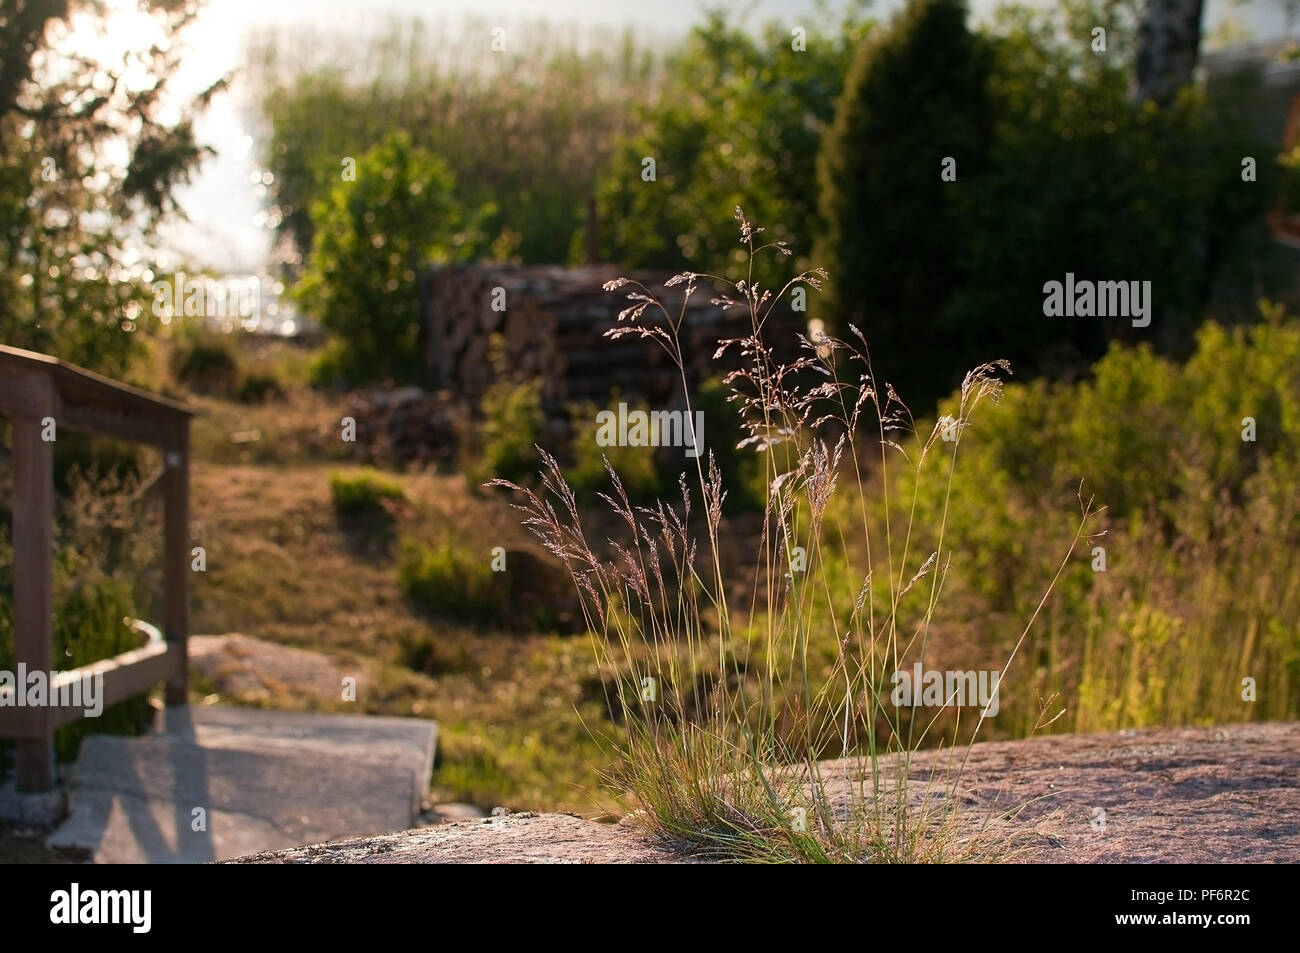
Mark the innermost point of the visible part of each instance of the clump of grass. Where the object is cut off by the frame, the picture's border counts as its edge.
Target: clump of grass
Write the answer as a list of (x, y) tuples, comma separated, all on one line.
[(363, 491), (258, 387), (635, 465), (421, 650), (206, 362), (731, 711), (512, 424), (448, 583)]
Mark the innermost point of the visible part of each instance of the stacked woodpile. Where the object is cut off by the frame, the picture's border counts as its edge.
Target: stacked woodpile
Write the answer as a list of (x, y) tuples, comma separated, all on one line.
[(483, 323), (549, 323), (474, 333), (409, 425)]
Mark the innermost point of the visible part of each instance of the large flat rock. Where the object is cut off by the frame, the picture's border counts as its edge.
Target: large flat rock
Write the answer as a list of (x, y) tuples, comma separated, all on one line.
[(1223, 795), (252, 670), (1190, 795)]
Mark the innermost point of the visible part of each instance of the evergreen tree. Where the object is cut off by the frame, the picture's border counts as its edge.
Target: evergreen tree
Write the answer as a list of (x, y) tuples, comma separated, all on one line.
[(916, 95)]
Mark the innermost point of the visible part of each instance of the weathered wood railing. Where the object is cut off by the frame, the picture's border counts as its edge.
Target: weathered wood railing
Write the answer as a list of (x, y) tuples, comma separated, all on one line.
[(44, 396)]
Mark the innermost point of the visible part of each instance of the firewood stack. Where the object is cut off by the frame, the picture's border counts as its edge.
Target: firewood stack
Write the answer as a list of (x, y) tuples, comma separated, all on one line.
[(409, 425), (553, 328), (469, 343)]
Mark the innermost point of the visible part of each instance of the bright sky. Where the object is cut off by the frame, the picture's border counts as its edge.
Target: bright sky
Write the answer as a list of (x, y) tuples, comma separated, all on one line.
[(227, 227)]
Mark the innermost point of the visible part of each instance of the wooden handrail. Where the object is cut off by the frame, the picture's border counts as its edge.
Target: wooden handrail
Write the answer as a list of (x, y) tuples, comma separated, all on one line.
[(36, 391)]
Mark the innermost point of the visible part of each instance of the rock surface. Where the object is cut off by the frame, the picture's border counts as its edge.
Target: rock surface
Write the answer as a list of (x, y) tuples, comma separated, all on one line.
[(525, 838), (1199, 795), (254, 670), (1229, 794)]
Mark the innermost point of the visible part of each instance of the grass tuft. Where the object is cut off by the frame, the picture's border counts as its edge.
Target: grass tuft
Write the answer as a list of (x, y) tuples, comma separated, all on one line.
[(730, 712), (363, 491)]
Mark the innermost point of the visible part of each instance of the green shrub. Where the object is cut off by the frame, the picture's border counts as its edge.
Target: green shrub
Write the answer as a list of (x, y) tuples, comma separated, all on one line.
[(431, 653), (328, 367), (587, 475), (371, 236), (105, 571), (90, 625), (258, 387), (206, 363), (1201, 584), (918, 88), (752, 141), (1050, 150), (448, 583), (513, 421), (363, 491)]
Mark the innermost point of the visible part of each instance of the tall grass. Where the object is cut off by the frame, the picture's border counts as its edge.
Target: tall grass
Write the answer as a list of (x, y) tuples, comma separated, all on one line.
[(1196, 587), (730, 710), (363, 491), (449, 582), (560, 96)]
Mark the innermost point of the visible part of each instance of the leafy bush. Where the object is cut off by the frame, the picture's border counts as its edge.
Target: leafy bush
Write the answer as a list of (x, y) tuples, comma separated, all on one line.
[(329, 366), (635, 466), (422, 650), (88, 627), (1201, 582), (258, 387), (513, 420), (206, 362), (90, 624), (751, 140), (373, 236), (1051, 156), (363, 491), (447, 583), (917, 92), (105, 572)]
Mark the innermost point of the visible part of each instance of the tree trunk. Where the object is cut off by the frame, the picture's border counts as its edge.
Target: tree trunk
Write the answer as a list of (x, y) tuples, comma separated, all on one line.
[(1169, 41)]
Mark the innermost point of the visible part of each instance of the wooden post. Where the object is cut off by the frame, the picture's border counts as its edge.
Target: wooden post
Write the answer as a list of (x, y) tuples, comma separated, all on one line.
[(176, 558), (33, 543), (39, 393)]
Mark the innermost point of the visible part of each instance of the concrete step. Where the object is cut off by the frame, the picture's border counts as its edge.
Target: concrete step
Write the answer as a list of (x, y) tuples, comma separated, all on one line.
[(263, 780), (364, 738)]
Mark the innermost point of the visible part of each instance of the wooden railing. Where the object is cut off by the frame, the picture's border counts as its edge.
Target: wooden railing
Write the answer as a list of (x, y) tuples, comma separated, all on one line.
[(43, 397)]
